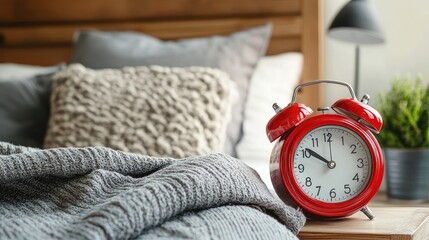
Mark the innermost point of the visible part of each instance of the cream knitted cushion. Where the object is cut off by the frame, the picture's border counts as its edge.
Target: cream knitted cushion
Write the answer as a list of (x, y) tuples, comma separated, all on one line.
[(157, 111)]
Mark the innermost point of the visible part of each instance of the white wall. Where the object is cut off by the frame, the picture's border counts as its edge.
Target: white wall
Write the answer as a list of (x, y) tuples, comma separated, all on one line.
[(406, 51)]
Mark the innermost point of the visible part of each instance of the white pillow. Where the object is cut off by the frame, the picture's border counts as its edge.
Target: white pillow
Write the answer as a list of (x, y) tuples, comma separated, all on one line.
[(274, 79), (12, 71)]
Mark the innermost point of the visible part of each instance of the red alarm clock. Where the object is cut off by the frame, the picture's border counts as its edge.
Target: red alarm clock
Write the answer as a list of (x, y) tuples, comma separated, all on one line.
[(330, 165)]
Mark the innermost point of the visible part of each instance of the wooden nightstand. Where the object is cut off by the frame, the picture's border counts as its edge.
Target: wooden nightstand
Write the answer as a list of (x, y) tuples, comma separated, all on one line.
[(381, 200), (399, 220), (399, 223)]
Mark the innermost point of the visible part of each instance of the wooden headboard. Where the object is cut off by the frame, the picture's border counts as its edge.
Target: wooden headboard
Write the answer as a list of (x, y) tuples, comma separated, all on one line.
[(40, 32)]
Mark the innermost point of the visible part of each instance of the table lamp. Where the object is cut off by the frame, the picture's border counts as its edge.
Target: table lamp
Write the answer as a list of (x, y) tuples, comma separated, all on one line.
[(357, 22)]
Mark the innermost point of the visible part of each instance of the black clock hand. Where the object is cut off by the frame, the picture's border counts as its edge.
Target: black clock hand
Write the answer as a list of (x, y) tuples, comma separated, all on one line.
[(330, 150), (331, 164), (316, 155)]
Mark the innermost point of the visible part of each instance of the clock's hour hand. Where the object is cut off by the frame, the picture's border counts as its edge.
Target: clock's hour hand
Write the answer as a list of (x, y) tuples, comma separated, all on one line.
[(316, 155), (331, 164)]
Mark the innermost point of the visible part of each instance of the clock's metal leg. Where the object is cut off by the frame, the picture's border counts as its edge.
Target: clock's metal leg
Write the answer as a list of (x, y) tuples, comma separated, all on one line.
[(367, 212)]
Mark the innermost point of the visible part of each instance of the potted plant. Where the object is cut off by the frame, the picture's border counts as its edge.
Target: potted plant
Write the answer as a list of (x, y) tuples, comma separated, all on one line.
[(405, 138)]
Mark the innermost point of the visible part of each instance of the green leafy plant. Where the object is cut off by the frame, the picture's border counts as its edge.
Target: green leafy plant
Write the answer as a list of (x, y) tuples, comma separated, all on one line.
[(405, 112)]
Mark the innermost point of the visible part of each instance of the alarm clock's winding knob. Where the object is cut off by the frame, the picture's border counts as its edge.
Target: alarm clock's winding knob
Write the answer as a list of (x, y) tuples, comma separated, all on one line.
[(276, 107), (365, 99)]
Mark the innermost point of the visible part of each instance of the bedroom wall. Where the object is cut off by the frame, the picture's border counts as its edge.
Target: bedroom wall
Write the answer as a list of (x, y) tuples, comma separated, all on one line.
[(406, 49)]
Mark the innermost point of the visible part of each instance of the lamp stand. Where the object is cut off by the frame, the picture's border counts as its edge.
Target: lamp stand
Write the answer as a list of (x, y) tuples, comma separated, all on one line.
[(356, 83)]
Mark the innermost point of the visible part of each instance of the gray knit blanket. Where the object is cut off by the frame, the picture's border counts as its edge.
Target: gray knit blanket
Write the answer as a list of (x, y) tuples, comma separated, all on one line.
[(100, 193)]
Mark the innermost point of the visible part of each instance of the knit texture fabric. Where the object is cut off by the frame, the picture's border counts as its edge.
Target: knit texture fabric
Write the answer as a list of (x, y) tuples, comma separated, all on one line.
[(157, 111), (100, 193)]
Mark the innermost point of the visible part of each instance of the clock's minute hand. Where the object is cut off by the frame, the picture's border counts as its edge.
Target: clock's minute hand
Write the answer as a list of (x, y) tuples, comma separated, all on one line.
[(331, 164)]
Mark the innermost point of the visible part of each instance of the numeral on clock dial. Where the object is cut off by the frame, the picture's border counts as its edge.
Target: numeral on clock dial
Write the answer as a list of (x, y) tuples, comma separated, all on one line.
[(335, 169)]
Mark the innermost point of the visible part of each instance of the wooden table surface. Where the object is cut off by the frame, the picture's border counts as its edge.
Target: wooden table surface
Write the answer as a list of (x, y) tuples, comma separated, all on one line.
[(381, 200), (396, 223)]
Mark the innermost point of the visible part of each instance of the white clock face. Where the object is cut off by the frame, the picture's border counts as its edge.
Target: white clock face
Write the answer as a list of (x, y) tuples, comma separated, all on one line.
[(332, 164)]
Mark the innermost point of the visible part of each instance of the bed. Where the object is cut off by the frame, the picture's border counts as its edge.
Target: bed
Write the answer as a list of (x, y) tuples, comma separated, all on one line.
[(43, 33)]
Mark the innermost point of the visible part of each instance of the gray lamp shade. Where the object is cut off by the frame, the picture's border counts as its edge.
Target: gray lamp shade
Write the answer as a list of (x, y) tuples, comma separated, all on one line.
[(357, 22)]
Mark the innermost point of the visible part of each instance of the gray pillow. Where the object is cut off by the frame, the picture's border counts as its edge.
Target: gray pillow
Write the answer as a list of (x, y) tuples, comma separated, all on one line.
[(24, 103), (236, 54)]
